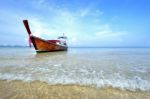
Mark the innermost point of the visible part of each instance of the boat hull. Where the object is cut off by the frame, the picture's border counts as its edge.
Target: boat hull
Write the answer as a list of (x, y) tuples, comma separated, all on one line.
[(42, 45)]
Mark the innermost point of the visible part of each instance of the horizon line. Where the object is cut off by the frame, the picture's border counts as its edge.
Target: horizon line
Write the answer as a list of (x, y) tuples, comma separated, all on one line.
[(84, 46)]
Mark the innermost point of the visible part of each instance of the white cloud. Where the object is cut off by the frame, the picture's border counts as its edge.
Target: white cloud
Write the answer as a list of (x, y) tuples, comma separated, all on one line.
[(106, 31), (88, 11), (114, 18), (105, 36), (84, 12), (36, 27)]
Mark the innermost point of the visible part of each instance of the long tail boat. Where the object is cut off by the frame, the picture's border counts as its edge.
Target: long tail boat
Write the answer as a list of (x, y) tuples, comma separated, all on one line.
[(42, 45)]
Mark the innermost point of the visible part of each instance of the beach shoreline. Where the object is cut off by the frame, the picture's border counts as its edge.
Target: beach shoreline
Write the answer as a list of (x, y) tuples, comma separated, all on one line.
[(41, 90)]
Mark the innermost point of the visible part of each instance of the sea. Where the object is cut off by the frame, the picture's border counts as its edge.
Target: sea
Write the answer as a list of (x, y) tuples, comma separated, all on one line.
[(100, 68)]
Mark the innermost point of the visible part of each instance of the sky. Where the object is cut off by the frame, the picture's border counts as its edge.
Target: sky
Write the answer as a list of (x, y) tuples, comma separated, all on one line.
[(86, 23)]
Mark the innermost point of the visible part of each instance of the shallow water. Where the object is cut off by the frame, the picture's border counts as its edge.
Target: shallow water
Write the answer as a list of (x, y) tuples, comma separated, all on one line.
[(121, 68)]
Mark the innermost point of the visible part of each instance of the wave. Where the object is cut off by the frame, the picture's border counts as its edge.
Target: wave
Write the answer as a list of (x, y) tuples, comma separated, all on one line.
[(133, 84)]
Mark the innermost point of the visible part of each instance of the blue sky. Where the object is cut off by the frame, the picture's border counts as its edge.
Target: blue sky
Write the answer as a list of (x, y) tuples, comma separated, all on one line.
[(86, 22)]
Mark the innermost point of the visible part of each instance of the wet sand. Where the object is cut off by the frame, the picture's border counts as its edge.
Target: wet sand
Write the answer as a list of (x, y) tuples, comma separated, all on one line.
[(42, 90)]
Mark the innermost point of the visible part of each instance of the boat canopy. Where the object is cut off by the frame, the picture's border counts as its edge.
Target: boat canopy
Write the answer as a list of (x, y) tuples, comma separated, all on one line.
[(62, 37)]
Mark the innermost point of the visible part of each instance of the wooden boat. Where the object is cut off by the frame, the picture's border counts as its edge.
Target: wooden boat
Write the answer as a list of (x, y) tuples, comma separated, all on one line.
[(42, 45)]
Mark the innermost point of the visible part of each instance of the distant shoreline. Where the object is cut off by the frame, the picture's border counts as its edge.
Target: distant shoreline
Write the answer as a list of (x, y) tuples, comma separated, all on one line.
[(12, 46), (83, 46)]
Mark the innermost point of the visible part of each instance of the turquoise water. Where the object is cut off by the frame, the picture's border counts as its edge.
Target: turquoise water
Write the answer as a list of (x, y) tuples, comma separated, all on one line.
[(122, 68)]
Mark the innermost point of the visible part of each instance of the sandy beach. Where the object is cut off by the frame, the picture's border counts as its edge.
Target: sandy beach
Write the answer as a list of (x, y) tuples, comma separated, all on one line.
[(42, 90)]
